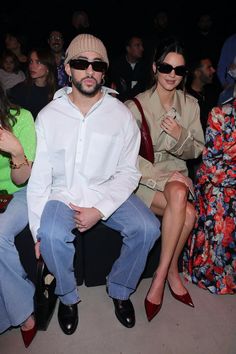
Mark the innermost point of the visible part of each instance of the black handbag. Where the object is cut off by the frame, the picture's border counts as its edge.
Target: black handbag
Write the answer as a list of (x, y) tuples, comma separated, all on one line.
[(45, 298)]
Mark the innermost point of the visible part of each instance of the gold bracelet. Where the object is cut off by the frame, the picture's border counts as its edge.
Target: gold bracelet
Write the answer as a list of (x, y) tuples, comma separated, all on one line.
[(15, 166)]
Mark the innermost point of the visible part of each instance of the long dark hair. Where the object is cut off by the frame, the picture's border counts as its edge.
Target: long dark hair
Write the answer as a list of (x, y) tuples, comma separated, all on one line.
[(7, 119), (47, 59), (169, 45)]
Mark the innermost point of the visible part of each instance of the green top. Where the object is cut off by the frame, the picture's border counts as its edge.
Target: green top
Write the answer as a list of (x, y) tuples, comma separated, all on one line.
[(24, 130)]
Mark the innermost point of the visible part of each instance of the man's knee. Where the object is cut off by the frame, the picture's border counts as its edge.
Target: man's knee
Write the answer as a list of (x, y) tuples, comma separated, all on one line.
[(50, 234), (154, 228), (149, 228)]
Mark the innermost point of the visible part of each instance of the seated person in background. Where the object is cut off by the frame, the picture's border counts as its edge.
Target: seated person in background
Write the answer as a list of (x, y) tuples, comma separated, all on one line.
[(127, 74), (40, 85), (201, 85), (210, 257), (88, 176), (161, 28), (206, 37), (230, 91), (227, 55), (174, 123), (80, 23), (10, 74), (56, 43), (17, 149), (16, 42)]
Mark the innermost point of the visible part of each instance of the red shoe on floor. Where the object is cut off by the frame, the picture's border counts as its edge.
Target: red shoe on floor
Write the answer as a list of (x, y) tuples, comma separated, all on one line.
[(185, 298), (151, 309)]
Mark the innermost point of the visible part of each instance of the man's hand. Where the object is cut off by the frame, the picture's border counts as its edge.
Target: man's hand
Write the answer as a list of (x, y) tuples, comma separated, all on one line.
[(37, 249), (85, 218)]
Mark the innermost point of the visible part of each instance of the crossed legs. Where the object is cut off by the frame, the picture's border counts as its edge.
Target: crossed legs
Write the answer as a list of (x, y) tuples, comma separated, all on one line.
[(177, 222)]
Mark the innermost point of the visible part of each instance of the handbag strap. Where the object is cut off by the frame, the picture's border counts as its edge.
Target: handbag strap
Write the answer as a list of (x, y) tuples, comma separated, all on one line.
[(146, 147), (138, 104)]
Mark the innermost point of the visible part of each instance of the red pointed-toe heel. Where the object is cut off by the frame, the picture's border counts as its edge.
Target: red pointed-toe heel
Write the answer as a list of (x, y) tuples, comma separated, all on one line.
[(151, 309), (29, 335), (185, 298)]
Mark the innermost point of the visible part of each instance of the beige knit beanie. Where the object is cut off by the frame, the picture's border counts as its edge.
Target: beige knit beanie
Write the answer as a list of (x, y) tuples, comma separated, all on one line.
[(85, 43)]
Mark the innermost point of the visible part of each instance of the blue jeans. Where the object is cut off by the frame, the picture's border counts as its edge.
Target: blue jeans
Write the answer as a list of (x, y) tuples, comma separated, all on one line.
[(138, 226), (16, 291)]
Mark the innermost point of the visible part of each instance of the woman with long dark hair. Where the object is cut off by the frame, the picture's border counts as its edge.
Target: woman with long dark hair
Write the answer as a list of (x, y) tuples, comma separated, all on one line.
[(40, 85), (17, 150), (174, 122)]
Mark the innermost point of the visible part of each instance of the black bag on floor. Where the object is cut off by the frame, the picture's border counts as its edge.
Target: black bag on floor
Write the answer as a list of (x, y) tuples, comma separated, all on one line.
[(45, 299)]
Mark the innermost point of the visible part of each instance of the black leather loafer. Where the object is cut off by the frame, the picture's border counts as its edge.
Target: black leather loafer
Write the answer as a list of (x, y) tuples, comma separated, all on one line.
[(124, 311), (68, 317)]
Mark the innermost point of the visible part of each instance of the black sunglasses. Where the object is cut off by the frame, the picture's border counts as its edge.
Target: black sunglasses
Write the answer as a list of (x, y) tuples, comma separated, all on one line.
[(83, 64), (165, 68)]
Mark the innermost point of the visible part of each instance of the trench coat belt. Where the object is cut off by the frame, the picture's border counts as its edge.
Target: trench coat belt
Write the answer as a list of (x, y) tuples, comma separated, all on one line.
[(151, 183), (161, 156)]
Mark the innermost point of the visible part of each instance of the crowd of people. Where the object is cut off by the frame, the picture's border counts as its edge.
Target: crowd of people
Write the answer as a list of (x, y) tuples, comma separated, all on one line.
[(184, 193)]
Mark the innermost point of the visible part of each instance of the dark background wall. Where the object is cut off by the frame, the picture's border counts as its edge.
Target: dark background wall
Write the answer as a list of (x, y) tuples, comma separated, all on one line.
[(113, 19)]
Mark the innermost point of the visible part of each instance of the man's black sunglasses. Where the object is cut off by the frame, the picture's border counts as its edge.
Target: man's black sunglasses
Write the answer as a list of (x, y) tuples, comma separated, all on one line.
[(165, 68), (83, 64)]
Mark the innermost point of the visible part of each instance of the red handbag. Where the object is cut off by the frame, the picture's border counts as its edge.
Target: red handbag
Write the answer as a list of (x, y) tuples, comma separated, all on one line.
[(146, 147)]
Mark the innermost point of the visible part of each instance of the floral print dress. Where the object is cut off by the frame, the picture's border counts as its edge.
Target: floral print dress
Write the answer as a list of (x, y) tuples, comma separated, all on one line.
[(210, 256)]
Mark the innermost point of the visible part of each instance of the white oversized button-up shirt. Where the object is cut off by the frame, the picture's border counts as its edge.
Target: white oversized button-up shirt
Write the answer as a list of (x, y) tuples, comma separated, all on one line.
[(89, 160)]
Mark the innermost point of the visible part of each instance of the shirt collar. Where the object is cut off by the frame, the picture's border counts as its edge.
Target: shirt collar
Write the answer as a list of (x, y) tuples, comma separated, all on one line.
[(67, 89)]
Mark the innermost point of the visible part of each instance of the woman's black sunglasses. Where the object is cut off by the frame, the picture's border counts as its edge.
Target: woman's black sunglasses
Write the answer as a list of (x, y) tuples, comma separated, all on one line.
[(165, 68), (83, 64)]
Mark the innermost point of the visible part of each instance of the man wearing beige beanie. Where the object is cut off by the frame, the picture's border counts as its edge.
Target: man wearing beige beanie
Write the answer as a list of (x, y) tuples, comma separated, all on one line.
[(85, 172)]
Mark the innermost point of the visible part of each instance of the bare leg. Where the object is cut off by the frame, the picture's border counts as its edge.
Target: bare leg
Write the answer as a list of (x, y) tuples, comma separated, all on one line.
[(173, 273), (28, 324), (172, 204)]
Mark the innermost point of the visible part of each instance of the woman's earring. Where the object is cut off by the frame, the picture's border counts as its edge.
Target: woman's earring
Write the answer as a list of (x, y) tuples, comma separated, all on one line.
[(70, 79)]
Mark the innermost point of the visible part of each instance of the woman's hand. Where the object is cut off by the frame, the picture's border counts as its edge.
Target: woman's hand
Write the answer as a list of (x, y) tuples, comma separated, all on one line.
[(171, 127), (9, 143)]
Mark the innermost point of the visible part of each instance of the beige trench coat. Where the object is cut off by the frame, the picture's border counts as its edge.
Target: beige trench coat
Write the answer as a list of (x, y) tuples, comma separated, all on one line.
[(170, 154)]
